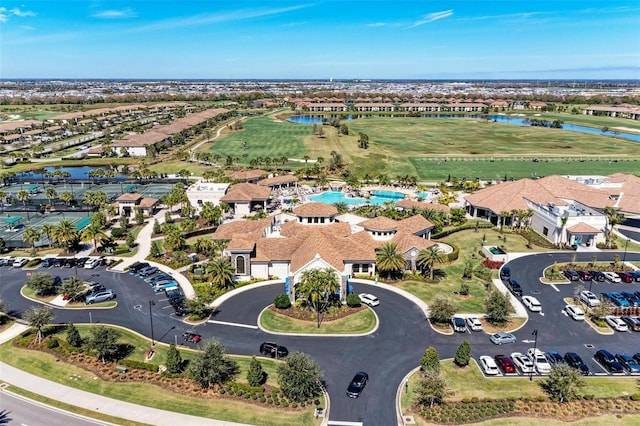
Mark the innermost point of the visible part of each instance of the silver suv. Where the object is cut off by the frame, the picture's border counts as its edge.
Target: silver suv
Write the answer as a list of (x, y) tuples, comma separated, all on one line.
[(99, 296)]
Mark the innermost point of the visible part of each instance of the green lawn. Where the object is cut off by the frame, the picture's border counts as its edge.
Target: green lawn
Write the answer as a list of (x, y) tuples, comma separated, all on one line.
[(358, 323)]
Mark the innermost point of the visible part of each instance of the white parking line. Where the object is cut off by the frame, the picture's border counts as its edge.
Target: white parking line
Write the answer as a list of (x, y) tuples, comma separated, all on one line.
[(553, 286), (233, 324), (339, 423)]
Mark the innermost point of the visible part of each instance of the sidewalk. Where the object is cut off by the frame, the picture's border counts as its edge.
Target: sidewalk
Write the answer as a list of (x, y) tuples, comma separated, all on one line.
[(95, 402)]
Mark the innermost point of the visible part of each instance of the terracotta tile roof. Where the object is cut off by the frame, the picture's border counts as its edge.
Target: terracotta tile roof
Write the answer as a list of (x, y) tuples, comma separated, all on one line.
[(241, 244), (148, 202), (414, 224), (276, 180), (406, 242), (507, 196), (628, 193), (246, 192), (380, 223), (315, 209), (582, 227), (129, 197), (569, 189), (407, 203), (247, 174), (245, 229)]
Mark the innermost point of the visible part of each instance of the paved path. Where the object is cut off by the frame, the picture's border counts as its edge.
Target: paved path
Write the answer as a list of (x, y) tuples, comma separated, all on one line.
[(92, 401)]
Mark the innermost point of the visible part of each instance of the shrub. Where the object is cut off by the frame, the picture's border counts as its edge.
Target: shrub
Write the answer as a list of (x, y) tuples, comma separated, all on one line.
[(492, 264), (353, 301), (139, 365), (635, 397), (53, 343), (463, 354), (117, 232), (282, 301)]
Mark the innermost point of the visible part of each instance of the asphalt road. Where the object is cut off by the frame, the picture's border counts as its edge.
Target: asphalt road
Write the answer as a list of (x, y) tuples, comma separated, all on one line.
[(387, 355)]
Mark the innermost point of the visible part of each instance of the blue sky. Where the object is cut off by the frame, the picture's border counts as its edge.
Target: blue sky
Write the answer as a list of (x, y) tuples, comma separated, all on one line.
[(340, 39)]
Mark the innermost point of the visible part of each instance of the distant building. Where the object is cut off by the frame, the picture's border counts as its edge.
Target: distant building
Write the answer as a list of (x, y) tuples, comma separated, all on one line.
[(203, 192)]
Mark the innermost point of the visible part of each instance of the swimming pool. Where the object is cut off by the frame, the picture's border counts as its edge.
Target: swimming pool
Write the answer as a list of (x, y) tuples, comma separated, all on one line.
[(331, 197), (389, 195)]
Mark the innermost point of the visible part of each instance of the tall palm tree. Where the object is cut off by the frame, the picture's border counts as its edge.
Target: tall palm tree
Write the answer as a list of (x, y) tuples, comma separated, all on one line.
[(613, 219), (47, 229), (66, 197), (428, 258), (316, 285), (3, 197), (221, 271), (563, 223), (31, 236), (51, 194), (93, 233), (388, 259), (65, 233), (23, 195)]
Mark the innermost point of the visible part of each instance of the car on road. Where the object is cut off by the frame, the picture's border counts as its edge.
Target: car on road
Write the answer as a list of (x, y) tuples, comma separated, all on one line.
[(598, 276), (357, 384), (99, 296), (505, 273), (626, 277), (532, 303), (575, 361), (608, 361), (273, 350), (502, 338), (612, 276), (574, 312), (523, 363), (632, 322), (585, 275), (554, 358), (505, 363), (369, 299), (515, 287), (20, 262), (631, 298), (539, 360), (474, 324), (616, 323), (589, 298), (629, 364), (489, 366), (458, 325), (571, 275)]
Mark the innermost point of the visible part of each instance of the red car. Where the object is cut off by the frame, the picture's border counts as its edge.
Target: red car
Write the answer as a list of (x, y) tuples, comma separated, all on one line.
[(505, 363), (626, 277)]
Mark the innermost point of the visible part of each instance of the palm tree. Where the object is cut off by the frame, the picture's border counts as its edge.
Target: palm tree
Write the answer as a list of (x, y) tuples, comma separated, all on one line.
[(428, 258), (563, 223), (221, 272), (316, 285), (613, 219), (388, 259), (31, 236), (341, 206), (93, 232), (38, 317), (66, 197), (51, 194), (23, 195), (3, 197), (211, 213), (65, 233), (47, 230)]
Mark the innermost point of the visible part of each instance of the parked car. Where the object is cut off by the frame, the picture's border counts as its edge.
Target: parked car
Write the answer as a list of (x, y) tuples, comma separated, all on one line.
[(92, 263), (273, 350), (160, 285), (157, 276), (502, 338), (612, 276), (573, 360), (357, 384), (632, 322), (489, 366), (99, 296), (539, 360), (628, 363), (615, 298), (47, 262), (474, 324), (20, 262), (585, 275), (532, 303), (180, 309), (636, 356), (7, 261), (598, 276), (616, 323), (636, 275), (523, 363), (589, 298), (571, 275), (458, 325), (136, 266), (505, 363), (574, 312), (626, 277), (505, 272), (148, 271), (631, 298), (608, 361), (191, 336), (369, 299), (555, 358), (515, 287)]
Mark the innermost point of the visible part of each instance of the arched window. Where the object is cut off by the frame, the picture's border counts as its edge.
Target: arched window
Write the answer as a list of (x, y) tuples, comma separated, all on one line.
[(240, 265)]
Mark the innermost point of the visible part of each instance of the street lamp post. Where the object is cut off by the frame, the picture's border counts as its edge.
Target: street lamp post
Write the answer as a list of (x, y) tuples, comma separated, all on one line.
[(624, 256), (151, 303), (535, 344)]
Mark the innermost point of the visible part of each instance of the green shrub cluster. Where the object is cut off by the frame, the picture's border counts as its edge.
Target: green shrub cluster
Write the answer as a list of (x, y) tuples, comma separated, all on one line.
[(282, 301), (449, 231), (353, 301), (117, 232), (468, 410), (33, 262), (139, 365)]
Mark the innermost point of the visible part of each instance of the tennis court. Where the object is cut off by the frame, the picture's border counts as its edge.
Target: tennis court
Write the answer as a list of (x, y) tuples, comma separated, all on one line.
[(13, 225)]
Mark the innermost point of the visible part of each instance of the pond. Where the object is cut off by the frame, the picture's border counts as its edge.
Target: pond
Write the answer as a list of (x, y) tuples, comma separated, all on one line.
[(507, 119)]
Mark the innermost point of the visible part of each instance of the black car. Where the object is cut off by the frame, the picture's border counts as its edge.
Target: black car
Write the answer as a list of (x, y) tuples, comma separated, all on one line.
[(573, 360), (136, 266), (273, 349), (180, 309), (571, 275), (515, 287), (458, 325), (357, 384), (598, 276), (505, 273), (636, 356), (608, 361), (554, 358), (632, 323), (629, 363)]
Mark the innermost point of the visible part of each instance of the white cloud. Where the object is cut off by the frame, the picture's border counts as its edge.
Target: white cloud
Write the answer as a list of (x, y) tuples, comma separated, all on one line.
[(115, 14), (6, 13), (22, 13), (377, 24), (431, 17)]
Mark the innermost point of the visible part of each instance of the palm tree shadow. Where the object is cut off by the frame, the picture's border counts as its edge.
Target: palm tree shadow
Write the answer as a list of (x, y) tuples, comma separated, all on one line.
[(4, 417)]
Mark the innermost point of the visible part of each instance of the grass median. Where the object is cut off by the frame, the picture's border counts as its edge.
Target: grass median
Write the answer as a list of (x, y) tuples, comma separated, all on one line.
[(360, 322)]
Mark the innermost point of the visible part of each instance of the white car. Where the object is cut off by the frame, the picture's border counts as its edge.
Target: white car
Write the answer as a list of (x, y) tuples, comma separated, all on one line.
[(589, 298), (489, 366), (474, 324), (369, 299), (20, 262), (92, 263), (616, 323), (532, 303), (523, 363), (574, 312), (612, 276), (539, 360)]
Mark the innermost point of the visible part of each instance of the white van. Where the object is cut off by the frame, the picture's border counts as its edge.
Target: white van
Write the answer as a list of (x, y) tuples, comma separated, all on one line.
[(92, 263)]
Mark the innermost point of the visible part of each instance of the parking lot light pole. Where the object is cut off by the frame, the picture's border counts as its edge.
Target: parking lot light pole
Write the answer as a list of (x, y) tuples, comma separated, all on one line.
[(535, 344), (624, 256), (151, 303)]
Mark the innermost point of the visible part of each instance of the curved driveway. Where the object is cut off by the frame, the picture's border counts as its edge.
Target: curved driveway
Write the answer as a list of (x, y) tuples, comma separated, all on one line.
[(387, 355)]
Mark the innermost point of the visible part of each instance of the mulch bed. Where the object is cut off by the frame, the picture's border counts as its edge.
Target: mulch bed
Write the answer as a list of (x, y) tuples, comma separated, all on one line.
[(305, 314)]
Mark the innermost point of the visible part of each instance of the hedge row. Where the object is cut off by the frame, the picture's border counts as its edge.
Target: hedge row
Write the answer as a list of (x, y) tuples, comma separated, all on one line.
[(468, 225)]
